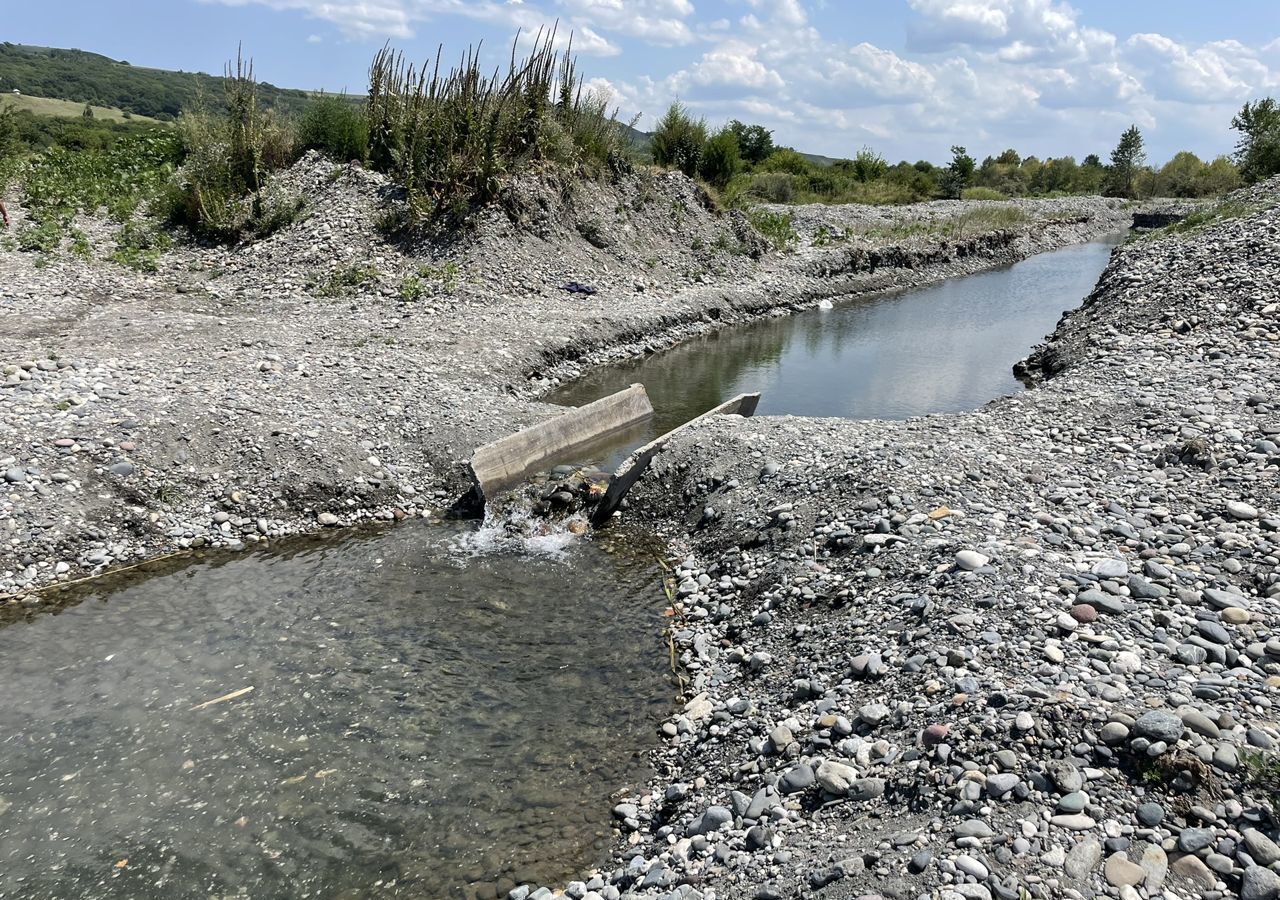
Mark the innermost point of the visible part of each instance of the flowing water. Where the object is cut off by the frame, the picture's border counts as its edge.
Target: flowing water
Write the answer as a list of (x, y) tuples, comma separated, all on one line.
[(939, 349), (425, 720), (425, 711)]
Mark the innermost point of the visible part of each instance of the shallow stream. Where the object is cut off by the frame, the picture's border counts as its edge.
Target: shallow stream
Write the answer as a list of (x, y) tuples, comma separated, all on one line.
[(428, 713), (945, 348)]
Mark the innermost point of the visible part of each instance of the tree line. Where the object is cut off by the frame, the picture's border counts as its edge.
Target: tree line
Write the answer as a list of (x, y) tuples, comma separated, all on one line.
[(742, 162)]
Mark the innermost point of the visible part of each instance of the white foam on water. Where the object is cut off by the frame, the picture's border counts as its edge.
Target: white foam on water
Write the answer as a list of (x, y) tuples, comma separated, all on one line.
[(513, 530)]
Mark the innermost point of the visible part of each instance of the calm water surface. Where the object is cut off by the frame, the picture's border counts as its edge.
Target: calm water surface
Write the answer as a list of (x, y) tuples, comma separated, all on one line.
[(424, 722), (939, 349)]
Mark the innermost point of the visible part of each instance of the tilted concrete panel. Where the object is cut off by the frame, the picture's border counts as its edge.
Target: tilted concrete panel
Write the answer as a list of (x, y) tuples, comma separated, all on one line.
[(534, 449), (634, 465)]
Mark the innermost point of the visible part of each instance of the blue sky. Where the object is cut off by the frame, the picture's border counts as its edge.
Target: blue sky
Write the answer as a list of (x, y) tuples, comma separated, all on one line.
[(906, 77)]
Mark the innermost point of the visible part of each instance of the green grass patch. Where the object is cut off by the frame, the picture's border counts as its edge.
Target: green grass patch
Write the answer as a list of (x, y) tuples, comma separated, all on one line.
[(345, 282), (139, 245), (428, 279), (774, 227), (982, 193)]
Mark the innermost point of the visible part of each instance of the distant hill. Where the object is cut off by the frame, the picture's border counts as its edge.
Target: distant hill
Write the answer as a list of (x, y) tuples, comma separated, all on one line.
[(66, 109), (83, 77)]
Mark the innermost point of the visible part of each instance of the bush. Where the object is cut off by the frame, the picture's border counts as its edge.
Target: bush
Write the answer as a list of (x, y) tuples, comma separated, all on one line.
[(218, 194), (776, 227), (335, 127), (679, 140), (786, 160), (139, 246), (720, 159), (450, 137), (981, 193)]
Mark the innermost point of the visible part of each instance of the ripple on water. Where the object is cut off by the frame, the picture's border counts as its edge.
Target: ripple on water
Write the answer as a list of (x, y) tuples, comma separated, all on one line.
[(421, 720)]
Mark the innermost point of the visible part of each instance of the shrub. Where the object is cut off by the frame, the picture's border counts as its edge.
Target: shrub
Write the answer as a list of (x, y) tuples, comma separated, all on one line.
[(720, 159), (776, 227), (981, 193), (229, 155), (335, 127), (679, 140), (139, 246), (450, 136), (776, 187), (786, 160)]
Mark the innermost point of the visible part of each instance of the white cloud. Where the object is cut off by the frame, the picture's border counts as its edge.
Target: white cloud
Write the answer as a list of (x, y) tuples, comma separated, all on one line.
[(663, 22), (734, 63), (1215, 72)]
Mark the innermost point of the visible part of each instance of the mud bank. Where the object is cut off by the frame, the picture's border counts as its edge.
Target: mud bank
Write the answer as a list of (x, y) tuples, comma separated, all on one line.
[(328, 375)]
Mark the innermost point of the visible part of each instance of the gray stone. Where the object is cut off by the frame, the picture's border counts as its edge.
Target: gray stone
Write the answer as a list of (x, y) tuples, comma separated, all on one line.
[(15, 476), (715, 818), (1193, 839), (1156, 865), (1259, 884), (1000, 784), (1083, 858), (1111, 568), (1199, 722), (1074, 802), (1261, 849), (797, 780), (1142, 589), (1158, 725), (1242, 511), (867, 789), (1150, 814), (973, 828)]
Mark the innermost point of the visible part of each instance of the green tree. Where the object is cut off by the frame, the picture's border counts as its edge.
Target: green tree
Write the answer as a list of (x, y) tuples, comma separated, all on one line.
[(335, 127), (1180, 176), (1009, 157), (1258, 150), (721, 159), (87, 112), (1127, 160), (959, 172), (1217, 178), (869, 165), (679, 139), (755, 142)]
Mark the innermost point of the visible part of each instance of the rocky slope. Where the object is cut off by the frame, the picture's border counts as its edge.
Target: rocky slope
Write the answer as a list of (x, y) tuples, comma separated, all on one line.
[(1029, 651), (327, 375)]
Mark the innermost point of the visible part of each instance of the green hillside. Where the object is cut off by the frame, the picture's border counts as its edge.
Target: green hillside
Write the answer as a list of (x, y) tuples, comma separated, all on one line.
[(83, 77)]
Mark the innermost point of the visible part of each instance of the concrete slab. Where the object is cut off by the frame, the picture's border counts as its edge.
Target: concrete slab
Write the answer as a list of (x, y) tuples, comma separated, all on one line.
[(635, 465), (539, 447)]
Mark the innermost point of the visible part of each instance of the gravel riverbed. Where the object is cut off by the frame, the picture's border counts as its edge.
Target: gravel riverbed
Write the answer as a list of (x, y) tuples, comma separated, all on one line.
[(1026, 651), (326, 375)]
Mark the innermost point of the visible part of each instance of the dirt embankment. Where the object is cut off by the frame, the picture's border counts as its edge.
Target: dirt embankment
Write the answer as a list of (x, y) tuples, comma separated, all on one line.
[(327, 375)]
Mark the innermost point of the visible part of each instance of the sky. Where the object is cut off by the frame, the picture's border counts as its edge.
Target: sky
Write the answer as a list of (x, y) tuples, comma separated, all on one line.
[(907, 78)]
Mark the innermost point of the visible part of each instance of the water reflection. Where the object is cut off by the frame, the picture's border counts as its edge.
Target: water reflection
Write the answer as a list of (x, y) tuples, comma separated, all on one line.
[(945, 348)]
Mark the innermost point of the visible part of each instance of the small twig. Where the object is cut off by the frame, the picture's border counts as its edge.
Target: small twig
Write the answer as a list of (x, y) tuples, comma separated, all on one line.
[(223, 699)]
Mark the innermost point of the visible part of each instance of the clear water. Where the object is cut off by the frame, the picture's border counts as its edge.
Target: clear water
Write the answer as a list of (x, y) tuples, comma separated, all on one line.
[(425, 720), (939, 349)]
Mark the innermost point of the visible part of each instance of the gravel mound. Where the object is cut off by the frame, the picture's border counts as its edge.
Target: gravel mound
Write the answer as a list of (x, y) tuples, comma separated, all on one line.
[(1027, 651)]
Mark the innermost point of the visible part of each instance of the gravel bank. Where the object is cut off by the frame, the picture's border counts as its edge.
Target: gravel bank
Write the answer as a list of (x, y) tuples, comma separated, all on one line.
[(326, 376), (1026, 651)]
